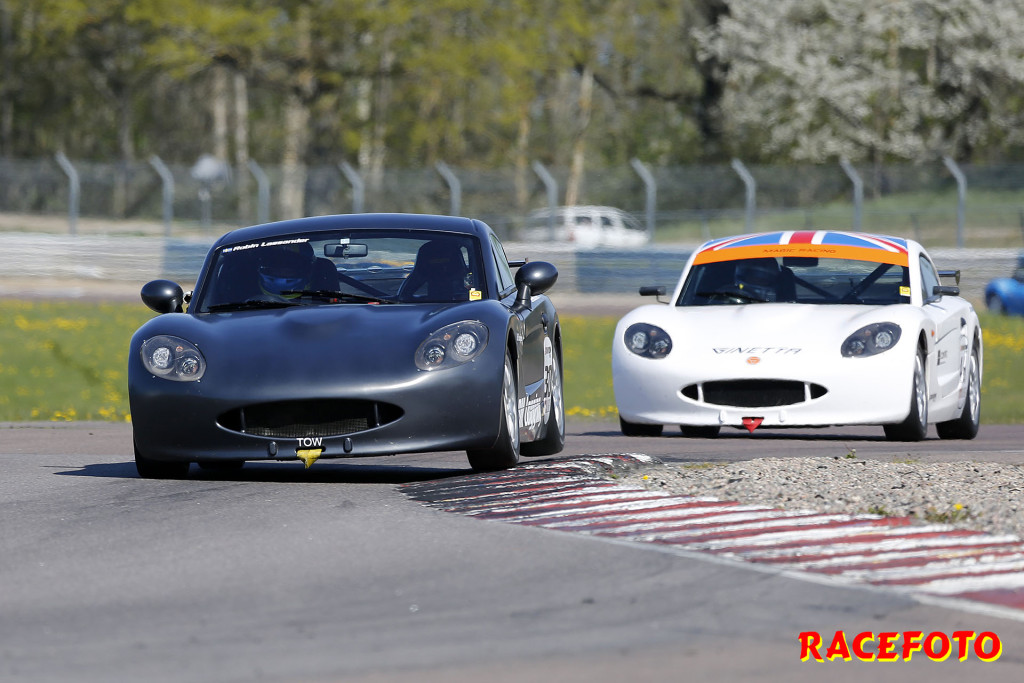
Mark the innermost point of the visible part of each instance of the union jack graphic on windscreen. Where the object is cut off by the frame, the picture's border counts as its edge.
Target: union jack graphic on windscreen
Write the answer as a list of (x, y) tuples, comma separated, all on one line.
[(810, 243)]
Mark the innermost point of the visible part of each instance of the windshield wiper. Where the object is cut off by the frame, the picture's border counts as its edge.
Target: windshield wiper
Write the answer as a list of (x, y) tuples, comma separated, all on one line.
[(250, 304), (332, 294)]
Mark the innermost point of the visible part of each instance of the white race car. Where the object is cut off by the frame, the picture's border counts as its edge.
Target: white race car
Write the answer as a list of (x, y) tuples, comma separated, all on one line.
[(802, 329)]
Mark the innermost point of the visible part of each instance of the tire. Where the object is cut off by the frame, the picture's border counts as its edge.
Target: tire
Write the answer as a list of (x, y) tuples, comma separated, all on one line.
[(160, 469), (221, 465), (966, 426), (700, 432), (637, 429), (505, 451), (915, 427), (995, 304), (554, 429)]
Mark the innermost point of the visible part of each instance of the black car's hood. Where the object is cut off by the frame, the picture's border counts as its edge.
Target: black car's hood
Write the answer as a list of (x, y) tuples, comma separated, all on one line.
[(316, 345)]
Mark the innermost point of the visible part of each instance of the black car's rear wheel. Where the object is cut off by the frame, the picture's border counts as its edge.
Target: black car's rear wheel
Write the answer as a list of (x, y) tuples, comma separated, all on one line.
[(505, 451), (554, 430), (915, 427), (637, 429), (149, 468), (966, 426)]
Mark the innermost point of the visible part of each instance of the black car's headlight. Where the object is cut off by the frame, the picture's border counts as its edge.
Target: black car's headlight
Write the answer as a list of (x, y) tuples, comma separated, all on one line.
[(173, 358), (452, 345), (871, 339), (649, 341)]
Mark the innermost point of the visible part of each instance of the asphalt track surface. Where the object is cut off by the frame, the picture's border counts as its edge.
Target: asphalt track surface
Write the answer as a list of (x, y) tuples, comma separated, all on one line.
[(337, 573)]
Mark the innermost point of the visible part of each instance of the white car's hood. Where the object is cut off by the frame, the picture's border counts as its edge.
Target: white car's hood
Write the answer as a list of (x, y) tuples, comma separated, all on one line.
[(763, 329)]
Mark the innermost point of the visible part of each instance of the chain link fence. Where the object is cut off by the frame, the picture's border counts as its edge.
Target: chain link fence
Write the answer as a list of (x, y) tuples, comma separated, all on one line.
[(135, 221)]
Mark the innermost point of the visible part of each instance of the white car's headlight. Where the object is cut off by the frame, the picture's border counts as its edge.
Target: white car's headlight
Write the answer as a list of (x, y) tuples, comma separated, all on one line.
[(871, 339), (452, 345), (649, 341), (173, 358)]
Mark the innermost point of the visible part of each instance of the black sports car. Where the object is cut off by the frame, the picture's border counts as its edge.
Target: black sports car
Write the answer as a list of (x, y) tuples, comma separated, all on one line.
[(347, 336)]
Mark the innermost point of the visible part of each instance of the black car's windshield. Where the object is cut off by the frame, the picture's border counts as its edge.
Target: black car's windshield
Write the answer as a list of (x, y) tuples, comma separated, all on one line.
[(804, 280), (344, 267)]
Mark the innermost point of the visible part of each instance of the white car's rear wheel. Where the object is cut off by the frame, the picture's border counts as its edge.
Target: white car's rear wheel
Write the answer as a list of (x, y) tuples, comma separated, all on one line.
[(966, 426)]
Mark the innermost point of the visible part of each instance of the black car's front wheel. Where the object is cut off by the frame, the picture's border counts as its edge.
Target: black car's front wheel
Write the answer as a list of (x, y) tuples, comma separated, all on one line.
[(149, 468), (505, 451)]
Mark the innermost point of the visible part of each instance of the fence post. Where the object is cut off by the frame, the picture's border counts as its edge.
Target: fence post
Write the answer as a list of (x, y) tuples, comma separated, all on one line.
[(552, 187), (454, 186), (262, 192), (168, 191), (751, 185), (358, 187), (961, 199), (858, 191), (74, 191), (651, 186)]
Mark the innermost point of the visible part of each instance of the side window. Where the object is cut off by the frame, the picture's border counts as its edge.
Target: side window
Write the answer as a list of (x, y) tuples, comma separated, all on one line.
[(505, 278), (929, 279)]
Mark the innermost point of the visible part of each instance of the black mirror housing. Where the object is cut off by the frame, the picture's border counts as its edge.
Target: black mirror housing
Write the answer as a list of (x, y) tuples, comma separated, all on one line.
[(163, 296), (540, 276)]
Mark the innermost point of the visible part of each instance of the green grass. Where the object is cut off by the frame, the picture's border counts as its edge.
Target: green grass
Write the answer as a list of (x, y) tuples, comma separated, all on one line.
[(67, 361), (1002, 386), (993, 219)]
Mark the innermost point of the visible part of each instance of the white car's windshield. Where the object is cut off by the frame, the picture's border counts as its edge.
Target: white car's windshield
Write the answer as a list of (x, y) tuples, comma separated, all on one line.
[(795, 279), (354, 266)]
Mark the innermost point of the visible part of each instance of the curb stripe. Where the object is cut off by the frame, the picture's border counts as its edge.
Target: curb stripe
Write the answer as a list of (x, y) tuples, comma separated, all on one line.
[(576, 495)]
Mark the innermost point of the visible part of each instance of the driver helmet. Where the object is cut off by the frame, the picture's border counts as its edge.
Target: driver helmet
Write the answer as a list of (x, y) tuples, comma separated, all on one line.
[(759, 277), (286, 268)]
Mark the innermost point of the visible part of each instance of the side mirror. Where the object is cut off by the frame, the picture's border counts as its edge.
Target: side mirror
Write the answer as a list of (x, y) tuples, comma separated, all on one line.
[(653, 290), (533, 278), (945, 290), (163, 296), (539, 275)]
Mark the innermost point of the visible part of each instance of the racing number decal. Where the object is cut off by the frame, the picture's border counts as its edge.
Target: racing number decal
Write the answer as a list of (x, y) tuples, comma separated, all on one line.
[(535, 406), (548, 372)]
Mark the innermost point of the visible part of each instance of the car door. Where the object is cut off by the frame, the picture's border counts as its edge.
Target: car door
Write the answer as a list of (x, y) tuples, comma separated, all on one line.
[(949, 316), (535, 352)]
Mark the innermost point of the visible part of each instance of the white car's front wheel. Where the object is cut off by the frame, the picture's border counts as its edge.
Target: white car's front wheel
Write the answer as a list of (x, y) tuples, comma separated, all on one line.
[(915, 427)]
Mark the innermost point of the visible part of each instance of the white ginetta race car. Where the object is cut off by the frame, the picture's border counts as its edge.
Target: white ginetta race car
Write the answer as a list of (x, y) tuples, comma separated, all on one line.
[(802, 329)]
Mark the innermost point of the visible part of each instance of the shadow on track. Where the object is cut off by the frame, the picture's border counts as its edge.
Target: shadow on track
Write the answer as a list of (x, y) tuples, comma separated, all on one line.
[(285, 473)]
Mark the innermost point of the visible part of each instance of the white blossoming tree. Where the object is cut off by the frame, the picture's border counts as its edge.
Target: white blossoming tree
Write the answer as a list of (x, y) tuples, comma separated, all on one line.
[(815, 80)]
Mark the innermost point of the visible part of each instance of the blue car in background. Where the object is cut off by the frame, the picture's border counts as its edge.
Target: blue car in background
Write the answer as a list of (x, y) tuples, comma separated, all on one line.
[(1005, 295)]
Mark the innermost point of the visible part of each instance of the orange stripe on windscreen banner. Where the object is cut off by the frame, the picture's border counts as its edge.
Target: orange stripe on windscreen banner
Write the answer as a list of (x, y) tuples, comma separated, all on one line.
[(710, 255)]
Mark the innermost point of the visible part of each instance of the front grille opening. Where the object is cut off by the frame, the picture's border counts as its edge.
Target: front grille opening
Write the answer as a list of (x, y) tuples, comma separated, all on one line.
[(296, 419), (754, 393)]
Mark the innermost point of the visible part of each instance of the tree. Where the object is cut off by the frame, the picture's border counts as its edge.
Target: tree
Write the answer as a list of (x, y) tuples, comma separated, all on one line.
[(811, 80)]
